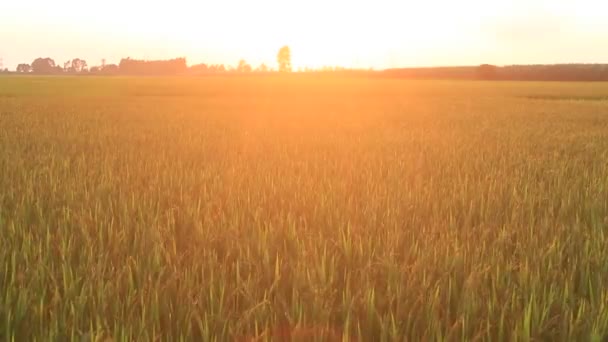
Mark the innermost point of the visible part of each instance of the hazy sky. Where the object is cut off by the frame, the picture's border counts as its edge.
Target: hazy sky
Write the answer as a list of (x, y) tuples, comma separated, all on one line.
[(371, 33)]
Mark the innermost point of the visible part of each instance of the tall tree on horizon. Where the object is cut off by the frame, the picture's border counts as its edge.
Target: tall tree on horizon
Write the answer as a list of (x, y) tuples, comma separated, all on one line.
[(284, 59), (243, 66)]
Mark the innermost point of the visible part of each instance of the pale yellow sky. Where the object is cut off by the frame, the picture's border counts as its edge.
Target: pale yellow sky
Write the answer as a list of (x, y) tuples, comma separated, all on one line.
[(378, 33)]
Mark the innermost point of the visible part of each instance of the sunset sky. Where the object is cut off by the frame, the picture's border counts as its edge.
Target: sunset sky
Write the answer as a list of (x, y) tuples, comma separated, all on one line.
[(351, 33)]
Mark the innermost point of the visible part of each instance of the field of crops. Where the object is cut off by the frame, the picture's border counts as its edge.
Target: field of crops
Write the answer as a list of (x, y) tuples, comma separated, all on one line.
[(254, 209)]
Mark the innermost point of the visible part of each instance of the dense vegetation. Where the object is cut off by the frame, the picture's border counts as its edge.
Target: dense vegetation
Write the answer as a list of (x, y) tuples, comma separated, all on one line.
[(275, 208)]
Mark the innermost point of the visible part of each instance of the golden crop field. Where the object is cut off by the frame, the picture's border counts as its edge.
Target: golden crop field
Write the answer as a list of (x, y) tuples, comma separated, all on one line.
[(301, 208)]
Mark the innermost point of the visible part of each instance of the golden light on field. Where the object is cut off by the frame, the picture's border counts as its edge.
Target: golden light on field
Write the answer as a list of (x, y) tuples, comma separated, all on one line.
[(302, 209), (382, 33)]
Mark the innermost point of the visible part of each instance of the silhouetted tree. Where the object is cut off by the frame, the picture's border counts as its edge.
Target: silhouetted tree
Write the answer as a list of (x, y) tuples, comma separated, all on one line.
[(243, 66), (44, 66), (79, 65), (284, 59), (24, 68)]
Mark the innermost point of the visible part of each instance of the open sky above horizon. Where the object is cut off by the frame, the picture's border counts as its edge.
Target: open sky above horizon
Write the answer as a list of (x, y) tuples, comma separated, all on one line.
[(378, 34)]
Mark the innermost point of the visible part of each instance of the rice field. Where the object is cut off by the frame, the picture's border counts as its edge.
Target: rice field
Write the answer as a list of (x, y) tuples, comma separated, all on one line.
[(302, 209)]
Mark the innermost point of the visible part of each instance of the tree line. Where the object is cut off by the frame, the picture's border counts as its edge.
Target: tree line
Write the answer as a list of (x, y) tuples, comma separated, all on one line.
[(178, 66), (129, 66), (554, 72)]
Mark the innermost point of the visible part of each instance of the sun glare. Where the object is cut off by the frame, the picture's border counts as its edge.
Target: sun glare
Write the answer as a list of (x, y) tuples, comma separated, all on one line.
[(351, 34), (383, 33), (303, 170)]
